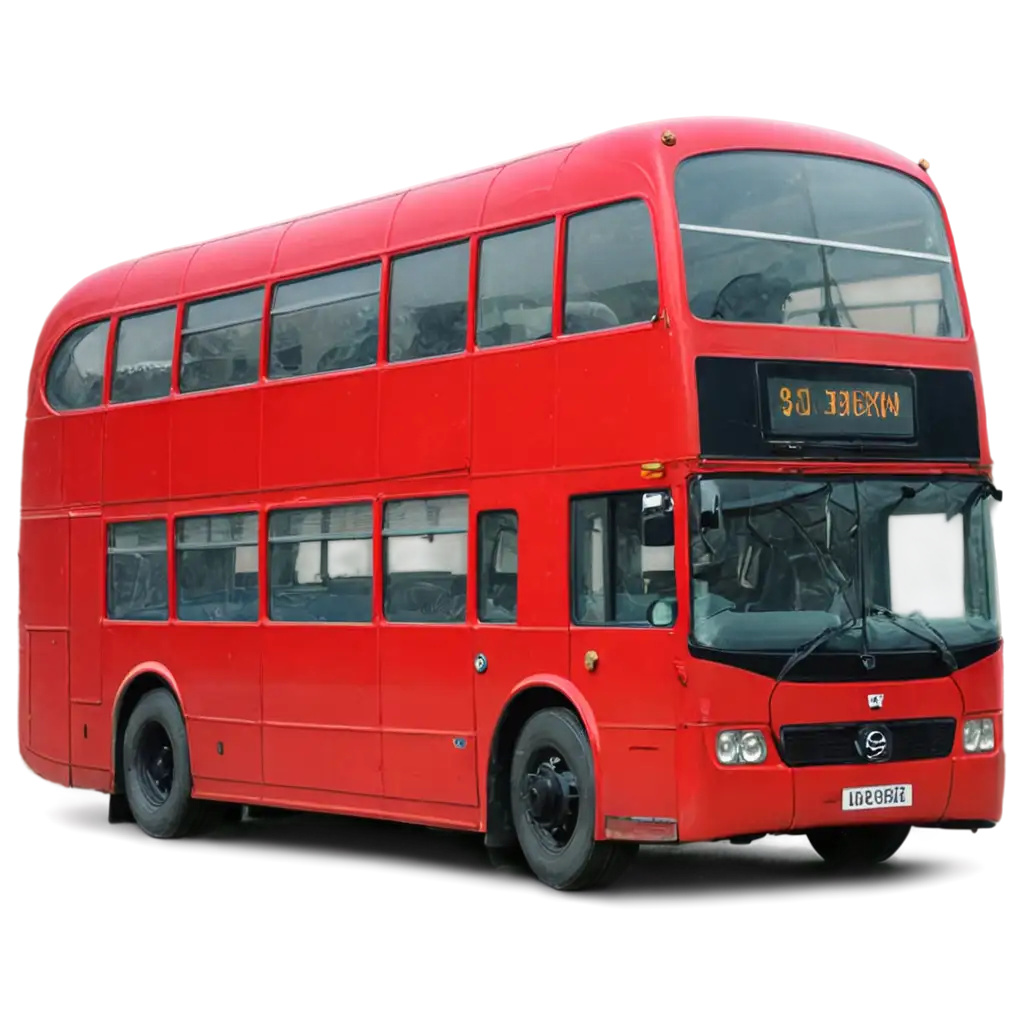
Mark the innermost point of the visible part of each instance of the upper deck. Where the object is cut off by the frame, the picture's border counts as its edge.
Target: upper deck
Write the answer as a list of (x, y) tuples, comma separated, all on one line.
[(632, 162)]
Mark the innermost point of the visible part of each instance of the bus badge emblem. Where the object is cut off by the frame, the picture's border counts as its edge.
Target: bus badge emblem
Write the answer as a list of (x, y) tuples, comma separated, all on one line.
[(875, 701)]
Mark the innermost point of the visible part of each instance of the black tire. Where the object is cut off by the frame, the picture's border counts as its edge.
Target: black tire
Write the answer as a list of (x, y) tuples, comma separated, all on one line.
[(859, 846), (157, 770), (553, 781)]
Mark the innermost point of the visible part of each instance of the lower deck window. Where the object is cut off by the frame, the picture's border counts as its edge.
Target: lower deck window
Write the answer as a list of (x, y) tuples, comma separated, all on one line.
[(425, 555), (218, 568), (321, 564), (137, 571)]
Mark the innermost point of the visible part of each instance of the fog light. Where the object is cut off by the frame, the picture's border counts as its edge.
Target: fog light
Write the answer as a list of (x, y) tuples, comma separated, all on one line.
[(746, 746), (979, 735)]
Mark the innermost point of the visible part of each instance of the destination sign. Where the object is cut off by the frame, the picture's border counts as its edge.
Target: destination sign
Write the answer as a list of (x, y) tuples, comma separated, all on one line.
[(839, 408)]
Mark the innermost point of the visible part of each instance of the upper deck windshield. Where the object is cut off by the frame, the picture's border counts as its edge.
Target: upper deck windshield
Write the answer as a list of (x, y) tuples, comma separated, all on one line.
[(787, 238), (779, 563)]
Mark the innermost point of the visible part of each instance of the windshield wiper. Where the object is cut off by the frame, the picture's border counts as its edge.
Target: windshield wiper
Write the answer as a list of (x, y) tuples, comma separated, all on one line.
[(929, 634), (815, 642)]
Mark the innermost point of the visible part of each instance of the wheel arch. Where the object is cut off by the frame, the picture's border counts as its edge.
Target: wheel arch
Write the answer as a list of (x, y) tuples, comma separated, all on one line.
[(141, 680), (530, 696)]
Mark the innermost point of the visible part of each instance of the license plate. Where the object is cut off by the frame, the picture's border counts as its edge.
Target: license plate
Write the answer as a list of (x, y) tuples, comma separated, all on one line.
[(875, 798)]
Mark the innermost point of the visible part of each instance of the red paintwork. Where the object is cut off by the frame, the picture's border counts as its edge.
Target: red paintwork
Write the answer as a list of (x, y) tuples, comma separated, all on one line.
[(361, 718)]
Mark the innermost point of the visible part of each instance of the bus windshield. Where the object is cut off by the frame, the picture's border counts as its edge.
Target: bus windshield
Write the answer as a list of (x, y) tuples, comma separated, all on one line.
[(778, 563), (786, 238)]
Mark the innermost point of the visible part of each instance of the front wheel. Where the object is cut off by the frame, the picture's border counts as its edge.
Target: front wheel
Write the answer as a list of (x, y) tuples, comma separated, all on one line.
[(554, 803), (859, 846)]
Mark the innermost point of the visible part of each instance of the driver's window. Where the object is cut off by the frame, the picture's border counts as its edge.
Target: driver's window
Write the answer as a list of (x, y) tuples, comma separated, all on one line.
[(616, 576), (514, 299)]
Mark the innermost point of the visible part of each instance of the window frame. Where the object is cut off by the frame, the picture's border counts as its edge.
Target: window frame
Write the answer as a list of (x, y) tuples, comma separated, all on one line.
[(480, 562), (323, 539), (562, 255), (183, 332), (607, 498), (114, 343), (47, 375), (379, 261), (472, 276), (175, 581), (109, 527), (476, 268), (385, 533)]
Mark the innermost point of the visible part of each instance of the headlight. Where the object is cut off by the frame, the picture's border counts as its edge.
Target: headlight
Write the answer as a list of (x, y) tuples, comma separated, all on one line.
[(979, 735), (745, 746)]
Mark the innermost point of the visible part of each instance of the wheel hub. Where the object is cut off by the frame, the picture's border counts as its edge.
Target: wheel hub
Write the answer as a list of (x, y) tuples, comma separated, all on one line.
[(547, 794), (551, 798)]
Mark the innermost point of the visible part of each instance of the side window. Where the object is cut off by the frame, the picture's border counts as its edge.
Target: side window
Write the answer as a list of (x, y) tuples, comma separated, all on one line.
[(497, 566), (142, 356), (615, 576), (515, 290), (425, 548), (611, 276), (428, 302), (137, 571), (218, 568), (75, 377), (321, 564), (323, 323), (220, 341)]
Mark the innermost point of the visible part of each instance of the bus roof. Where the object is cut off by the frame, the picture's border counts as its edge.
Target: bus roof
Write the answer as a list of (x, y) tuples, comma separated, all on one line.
[(521, 189)]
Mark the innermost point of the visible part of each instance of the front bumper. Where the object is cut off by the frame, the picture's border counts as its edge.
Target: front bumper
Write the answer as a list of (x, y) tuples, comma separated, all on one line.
[(720, 802)]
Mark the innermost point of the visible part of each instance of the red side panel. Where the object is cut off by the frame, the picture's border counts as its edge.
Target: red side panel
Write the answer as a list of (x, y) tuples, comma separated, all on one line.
[(424, 417), (507, 435), (136, 457), (317, 429), (41, 481), (212, 443), (82, 455), (86, 607), (44, 572), (48, 693), (427, 713), (321, 707)]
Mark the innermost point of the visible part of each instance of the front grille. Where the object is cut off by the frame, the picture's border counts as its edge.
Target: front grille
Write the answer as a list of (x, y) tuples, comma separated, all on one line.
[(913, 739)]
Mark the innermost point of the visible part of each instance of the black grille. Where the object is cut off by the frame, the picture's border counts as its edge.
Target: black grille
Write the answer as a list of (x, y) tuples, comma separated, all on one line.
[(913, 739)]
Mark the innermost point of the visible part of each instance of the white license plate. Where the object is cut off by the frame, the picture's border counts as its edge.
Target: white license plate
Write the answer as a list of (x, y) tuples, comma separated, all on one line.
[(876, 798)]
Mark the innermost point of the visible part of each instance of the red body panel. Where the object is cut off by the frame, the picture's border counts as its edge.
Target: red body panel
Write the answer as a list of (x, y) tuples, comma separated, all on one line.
[(391, 719)]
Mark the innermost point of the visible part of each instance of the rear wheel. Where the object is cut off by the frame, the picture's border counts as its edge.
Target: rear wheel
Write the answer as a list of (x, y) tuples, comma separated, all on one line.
[(553, 805), (859, 846), (157, 771)]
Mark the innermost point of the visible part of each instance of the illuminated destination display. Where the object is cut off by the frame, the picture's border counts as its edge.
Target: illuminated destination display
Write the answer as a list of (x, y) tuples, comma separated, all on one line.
[(839, 408)]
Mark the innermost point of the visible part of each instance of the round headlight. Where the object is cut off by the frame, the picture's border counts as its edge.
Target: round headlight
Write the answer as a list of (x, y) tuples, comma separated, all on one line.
[(728, 748), (752, 748)]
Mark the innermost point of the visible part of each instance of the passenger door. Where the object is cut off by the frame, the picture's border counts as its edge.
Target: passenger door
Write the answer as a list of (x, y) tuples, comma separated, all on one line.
[(623, 665)]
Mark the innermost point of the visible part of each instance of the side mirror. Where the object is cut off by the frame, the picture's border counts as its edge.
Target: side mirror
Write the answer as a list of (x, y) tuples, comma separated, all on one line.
[(661, 613)]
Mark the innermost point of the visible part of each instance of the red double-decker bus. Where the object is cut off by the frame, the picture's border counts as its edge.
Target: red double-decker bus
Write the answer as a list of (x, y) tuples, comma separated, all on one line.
[(720, 376)]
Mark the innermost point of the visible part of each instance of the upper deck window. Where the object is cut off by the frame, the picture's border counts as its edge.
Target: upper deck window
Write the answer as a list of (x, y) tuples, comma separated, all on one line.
[(327, 322), (786, 238), (611, 275), (220, 341), (429, 293), (516, 284), (75, 377), (143, 355)]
